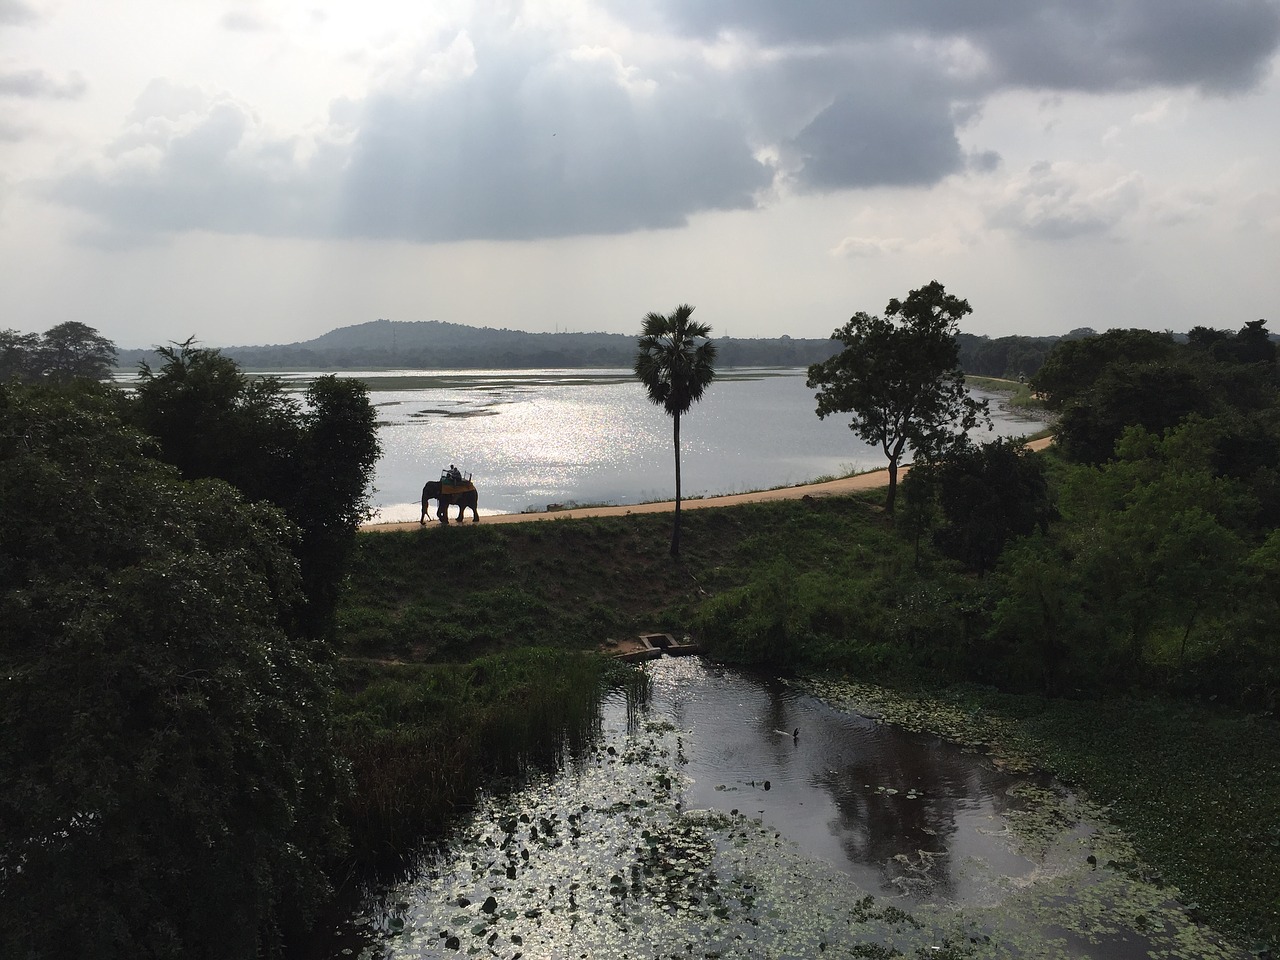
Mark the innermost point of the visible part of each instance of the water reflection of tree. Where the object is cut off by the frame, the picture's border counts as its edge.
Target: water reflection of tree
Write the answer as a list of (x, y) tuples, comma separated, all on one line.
[(779, 719), (897, 811)]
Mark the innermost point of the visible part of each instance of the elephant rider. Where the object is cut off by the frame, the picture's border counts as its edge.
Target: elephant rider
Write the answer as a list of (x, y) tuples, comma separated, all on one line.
[(453, 475)]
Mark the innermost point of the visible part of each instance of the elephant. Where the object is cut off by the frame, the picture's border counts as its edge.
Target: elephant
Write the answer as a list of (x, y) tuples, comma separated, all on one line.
[(465, 500)]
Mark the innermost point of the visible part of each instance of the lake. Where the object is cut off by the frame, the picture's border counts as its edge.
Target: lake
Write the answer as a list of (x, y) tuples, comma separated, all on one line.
[(531, 438)]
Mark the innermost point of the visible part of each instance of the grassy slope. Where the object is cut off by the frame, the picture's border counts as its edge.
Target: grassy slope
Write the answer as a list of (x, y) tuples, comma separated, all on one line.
[(1198, 788)]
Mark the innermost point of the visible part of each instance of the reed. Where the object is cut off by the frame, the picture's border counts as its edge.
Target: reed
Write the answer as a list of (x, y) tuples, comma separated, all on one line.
[(421, 739)]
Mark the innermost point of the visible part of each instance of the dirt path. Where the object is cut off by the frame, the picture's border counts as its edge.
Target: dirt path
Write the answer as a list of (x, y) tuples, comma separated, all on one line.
[(831, 488)]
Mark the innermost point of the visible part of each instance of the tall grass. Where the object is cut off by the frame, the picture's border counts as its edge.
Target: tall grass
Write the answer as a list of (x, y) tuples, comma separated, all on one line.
[(421, 738)]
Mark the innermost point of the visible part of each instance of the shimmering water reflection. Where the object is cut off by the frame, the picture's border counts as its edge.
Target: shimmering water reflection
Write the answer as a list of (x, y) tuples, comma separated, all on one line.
[(532, 438), (701, 824)]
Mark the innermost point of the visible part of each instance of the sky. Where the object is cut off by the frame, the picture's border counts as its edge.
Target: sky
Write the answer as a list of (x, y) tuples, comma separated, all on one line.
[(253, 172)]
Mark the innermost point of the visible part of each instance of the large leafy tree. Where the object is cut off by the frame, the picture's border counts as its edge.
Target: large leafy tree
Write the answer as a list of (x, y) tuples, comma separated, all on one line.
[(75, 350), (69, 351), (899, 376), (676, 363), (313, 457), (167, 783)]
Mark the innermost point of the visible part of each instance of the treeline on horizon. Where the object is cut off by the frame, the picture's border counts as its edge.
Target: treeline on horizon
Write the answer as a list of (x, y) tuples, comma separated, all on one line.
[(436, 345)]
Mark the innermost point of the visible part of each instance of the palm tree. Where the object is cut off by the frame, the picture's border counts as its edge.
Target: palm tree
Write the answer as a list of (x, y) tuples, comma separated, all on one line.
[(676, 363)]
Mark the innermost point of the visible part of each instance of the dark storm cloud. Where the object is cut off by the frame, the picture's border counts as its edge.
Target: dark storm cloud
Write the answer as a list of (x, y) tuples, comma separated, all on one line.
[(524, 149), (894, 80), (1216, 45), (866, 140)]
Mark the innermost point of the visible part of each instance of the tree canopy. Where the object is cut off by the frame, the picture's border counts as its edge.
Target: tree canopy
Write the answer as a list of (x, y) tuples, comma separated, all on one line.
[(676, 363), (313, 458), (988, 495), (69, 351), (899, 376), (167, 783)]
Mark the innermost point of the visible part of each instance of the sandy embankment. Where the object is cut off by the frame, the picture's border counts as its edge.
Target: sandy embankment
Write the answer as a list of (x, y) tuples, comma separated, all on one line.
[(831, 488)]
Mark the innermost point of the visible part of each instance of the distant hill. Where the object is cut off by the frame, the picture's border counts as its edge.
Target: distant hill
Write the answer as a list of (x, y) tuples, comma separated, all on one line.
[(436, 345)]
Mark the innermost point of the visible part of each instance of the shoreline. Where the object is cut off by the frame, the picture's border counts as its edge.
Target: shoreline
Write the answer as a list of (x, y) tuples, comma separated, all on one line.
[(826, 488)]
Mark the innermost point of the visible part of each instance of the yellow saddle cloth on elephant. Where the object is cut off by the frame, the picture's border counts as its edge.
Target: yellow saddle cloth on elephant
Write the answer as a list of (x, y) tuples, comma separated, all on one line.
[(450, 488)]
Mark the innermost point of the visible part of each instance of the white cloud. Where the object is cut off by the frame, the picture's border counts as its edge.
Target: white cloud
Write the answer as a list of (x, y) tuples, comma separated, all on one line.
[(868, 246), (1061, 201)]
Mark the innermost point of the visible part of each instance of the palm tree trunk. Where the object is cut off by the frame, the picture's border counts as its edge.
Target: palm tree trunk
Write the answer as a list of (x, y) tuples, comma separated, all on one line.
[(675, 531)]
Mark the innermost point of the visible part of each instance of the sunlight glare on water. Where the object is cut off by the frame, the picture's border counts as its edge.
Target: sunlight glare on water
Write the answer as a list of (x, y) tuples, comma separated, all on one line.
[(532, 438)]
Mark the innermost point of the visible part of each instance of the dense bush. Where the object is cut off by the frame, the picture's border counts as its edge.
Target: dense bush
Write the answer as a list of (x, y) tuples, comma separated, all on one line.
[(167, 782)]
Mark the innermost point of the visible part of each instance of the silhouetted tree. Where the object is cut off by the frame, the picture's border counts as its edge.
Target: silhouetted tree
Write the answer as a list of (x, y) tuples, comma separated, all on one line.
[(676, 364), (900, 378), (313, 460), (69, 351), (74, 350)]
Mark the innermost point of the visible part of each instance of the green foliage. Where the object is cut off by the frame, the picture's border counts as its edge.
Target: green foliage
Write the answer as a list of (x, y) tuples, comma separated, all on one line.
[(676, 363), (1004, 357), (1141, 583), (1157, 396), (1124, 378), (1074, 365), (1250, 345), (313, 460), (167, 782), (987, 495), (69, 351), (900, 378)]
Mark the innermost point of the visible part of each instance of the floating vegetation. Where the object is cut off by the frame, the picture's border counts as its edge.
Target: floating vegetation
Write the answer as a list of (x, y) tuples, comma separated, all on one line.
[(605, 860), (454, 413)]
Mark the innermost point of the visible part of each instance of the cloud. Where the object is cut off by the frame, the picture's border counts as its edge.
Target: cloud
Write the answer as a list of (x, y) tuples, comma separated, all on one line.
[(536, 144), (1214, 45), (523, 144), (38, 85), (1061, 201), (509, 131), (244, 21), (868, 247), (16, 13), (13, 132), (189, 161), (872, 138)]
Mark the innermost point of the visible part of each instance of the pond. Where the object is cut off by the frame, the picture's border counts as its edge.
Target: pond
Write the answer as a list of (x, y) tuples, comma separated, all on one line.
[(731, 815)]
